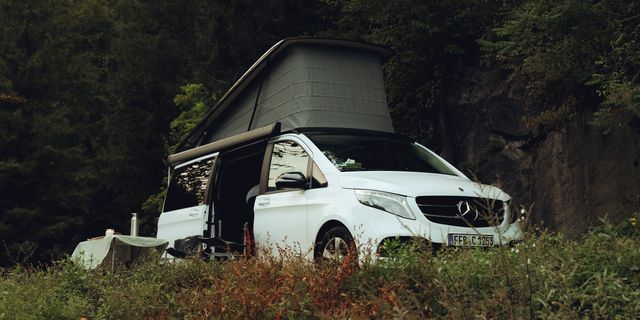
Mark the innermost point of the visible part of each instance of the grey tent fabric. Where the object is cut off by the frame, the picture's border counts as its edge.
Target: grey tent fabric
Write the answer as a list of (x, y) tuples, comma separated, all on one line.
[(313, 87), (302, 83), (116, 249)]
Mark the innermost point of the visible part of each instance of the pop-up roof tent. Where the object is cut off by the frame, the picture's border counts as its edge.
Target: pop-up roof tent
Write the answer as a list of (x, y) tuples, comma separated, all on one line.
[(301, 82)]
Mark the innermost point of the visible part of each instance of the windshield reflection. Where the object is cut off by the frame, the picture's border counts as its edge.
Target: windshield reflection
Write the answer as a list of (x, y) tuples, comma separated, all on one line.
[(377, 153)]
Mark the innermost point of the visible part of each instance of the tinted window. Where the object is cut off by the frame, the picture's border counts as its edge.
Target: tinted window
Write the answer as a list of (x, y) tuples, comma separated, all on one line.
[(376, 153), (188, 186), (287, 156)]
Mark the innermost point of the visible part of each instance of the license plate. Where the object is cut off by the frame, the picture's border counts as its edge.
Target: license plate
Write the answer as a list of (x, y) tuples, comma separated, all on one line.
[(470, 240)]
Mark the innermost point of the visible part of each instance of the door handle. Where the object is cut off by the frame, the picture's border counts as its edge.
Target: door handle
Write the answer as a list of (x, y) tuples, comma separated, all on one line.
[(263, 202), (193, 213)]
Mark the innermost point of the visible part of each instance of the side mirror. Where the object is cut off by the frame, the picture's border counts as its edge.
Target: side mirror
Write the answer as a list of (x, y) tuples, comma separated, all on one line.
[(291, 180)]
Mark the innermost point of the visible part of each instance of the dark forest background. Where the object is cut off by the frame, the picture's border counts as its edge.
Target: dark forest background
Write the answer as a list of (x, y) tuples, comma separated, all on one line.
[(541, 97)]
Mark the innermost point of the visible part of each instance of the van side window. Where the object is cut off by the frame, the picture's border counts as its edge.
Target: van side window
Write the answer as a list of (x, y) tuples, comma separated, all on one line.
[(287, 156), (188, 186)]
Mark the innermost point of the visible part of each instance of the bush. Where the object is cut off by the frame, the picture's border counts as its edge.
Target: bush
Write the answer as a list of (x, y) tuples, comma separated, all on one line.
[(546, 276)]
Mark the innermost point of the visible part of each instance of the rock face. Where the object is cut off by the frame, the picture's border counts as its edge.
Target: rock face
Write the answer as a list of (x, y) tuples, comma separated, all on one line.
[(582, 174), (573, 173)]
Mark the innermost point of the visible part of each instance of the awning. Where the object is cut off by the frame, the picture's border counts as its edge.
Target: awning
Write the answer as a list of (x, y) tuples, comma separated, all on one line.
[(260, 133)]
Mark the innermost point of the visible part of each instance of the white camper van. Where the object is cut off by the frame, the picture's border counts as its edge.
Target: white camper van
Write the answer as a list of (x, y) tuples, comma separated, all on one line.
[(323, 170)]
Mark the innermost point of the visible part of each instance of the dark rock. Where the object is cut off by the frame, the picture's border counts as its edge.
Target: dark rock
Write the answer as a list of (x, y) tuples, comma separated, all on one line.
[(574, 173)]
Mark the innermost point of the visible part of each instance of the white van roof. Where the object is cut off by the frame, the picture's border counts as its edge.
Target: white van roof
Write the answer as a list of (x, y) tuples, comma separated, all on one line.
[(302, 82)]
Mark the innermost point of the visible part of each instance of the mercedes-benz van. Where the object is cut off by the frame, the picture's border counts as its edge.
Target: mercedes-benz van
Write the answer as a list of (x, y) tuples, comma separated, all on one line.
[(324, 169), (317, 192)]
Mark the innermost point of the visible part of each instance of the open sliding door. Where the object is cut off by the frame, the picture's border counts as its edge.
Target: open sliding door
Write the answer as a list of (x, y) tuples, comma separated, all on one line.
[(186, 207)]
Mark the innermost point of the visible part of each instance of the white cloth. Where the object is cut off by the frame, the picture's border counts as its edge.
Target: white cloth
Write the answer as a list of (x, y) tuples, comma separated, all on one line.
[(116, 248)]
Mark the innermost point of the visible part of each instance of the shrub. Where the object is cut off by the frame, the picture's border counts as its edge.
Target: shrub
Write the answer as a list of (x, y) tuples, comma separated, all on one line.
[(545, 276)]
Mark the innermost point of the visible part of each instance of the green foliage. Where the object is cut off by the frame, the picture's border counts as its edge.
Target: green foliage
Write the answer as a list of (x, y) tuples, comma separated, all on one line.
[(547, 276), (86, 110), (619, 69), (571, 49), (542, 39), (46, 132), (193, 101)]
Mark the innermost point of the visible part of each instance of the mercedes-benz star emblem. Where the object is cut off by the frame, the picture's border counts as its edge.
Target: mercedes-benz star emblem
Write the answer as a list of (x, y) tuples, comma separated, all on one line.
[(464, 208)]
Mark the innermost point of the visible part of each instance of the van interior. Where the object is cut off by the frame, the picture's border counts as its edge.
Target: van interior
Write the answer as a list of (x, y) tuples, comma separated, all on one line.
[(239, 172)]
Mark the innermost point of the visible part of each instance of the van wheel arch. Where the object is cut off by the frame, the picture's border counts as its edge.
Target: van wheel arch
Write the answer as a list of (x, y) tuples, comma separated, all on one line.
[(324, 229)]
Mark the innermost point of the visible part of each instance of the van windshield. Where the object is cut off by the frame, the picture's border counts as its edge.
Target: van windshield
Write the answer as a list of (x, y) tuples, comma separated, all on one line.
[(376, 153)]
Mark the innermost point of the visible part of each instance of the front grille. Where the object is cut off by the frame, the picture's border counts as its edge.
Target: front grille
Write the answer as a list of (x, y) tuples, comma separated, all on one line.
[(444, 210)]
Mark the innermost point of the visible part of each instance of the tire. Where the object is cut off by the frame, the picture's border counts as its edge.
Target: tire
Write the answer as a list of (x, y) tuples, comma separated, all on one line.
[(336, 244)]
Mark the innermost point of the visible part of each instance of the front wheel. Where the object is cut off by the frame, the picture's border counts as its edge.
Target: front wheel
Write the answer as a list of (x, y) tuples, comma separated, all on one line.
[(337, 243)]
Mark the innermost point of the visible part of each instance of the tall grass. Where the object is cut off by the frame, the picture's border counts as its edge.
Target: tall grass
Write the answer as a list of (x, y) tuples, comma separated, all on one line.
[(546, 276)]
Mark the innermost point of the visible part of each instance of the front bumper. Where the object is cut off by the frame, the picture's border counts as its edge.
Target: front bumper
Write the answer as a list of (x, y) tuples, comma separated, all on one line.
[(381, 225)]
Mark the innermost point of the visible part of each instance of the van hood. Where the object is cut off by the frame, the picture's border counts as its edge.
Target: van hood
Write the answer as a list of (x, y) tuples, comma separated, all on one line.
[(416, 184)]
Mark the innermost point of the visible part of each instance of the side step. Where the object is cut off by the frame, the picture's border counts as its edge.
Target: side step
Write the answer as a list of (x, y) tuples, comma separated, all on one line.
[(220, 249)]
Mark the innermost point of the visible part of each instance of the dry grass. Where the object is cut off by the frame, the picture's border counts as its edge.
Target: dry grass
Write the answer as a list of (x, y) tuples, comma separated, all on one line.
[(546, 276)]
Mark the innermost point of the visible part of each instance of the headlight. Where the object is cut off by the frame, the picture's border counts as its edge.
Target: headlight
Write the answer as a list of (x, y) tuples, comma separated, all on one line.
[(389, 202)]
